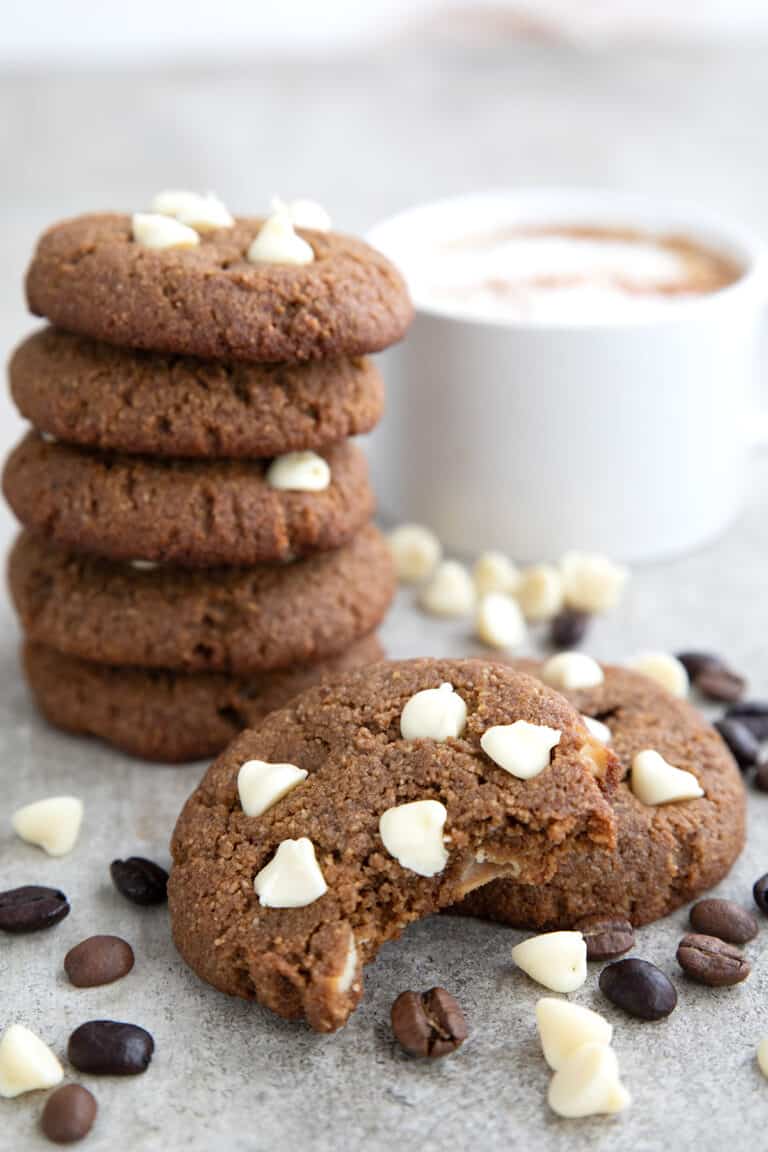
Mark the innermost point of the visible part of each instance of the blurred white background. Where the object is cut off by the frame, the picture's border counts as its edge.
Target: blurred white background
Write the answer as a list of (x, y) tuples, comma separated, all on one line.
[(371, 106)]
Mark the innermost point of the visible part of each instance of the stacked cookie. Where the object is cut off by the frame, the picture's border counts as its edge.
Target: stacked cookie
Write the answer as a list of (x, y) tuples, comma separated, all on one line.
[(197, 544)]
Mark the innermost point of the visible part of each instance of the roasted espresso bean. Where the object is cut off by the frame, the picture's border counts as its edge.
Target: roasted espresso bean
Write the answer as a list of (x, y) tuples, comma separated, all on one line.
[(606, 936), (111, 1048), (724, 919), (98, 960), (639, 987), (69, 1114), (31, 908), (724, 686), (709, 960), (753, 714), (696, 663), (428, 1023), (569, 628), (140, 880), (760, 893), (743, 745)]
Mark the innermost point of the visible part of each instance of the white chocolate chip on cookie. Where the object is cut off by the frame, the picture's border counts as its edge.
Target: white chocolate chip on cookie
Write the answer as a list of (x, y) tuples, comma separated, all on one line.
[(203, 213), (450, 592), (591, 582), (588, 1084), (558, 960), (564, 1027), (277, 243), (597, 729), (304, 213), (52, 824), (434, 714), (299, 472), (570, 670), (522, 749), (416, 552), (665, 669), (260, 785), (655, 781), (413, 834), (499, 621), (539, 592), (151, 230), (495, 572), (292, 879), (26, 1063)]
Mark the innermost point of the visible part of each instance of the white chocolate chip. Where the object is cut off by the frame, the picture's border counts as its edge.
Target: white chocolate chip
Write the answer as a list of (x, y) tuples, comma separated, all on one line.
[(558, 960), (292, 879), (597, 729), (304, 213), (277, 243), (591, 583), (495, 572), (540, 592), (299, 472), (665, 669), (143, 565), (588, 1084), (52, 824), (151, 230), (762, 1056), (434, 714), (260, 785), (26, 1063), (203, 213), (416, 552), (450, 592), (655, 781), (522, 749), (346, 977), (413, 834), (564, 1027), (499, 621), (569, 670)]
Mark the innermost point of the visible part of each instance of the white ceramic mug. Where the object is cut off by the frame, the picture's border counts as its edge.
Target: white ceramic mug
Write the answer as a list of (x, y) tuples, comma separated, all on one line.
[(624, 436)]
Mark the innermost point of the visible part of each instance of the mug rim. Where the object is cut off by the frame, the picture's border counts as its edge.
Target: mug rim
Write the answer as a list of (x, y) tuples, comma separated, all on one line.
[(626, 208)]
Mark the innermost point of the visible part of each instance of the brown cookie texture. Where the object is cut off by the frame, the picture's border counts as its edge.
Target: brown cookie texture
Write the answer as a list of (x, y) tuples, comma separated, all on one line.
[(307, 961), (192, 512), (666, 854), (89, 276), (168, 716), (236, 620), (97, 395)]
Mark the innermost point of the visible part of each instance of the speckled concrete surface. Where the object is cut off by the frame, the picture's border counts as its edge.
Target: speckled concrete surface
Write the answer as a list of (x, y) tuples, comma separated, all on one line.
[(227, 1075)]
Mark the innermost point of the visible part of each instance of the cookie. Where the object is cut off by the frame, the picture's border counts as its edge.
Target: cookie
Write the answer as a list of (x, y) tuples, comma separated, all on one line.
[(233, 620), (305, 959), (192, 512), (666, 854), (89, 276), (169, 716), (94, 394)]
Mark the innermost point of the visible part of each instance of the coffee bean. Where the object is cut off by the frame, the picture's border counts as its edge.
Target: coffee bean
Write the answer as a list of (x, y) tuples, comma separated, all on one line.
[(69, 1114), (761, 777), (31, 908), (639, 987), (569, 628), (140, 880), (695, 663), (743, 745), (724, 686), (111, 1048), (753, 714), (724, 919), (98, 960), (760, 893), (606, 936), (428, 1023), (711, 961)]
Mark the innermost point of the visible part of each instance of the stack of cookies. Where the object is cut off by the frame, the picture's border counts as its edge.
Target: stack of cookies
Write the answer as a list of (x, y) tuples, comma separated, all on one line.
[(197, 543)]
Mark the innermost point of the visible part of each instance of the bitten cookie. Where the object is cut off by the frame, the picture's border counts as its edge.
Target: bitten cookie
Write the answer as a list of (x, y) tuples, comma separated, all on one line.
[(666, 853), (235, 620), (372, 805), (94, 394), (192, 512), (91, 277), (169, 716)]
